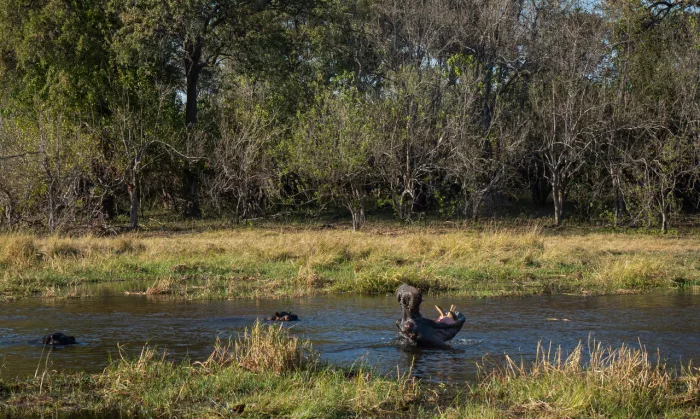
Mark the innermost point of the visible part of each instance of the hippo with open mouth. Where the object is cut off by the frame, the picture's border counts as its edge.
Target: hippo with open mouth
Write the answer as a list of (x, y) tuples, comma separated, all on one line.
[(420, 330)]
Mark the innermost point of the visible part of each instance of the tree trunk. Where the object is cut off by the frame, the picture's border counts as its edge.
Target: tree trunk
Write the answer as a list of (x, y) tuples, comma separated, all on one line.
[(358, 216), (108, 208), (52, 208), (487, 105), (8, 214), (665, 210), (357, 209), (539, 185), (191, 95), (51, 187), (664, 221), (191, 189), (134, 198), (193, 69), (8, 209), (477, 199), (404, 199), (618, 196), (558, 198)]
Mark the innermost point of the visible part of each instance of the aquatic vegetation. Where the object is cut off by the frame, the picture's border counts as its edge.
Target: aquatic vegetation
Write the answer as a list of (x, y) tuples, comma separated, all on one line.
[(161, 287), (266, 349)]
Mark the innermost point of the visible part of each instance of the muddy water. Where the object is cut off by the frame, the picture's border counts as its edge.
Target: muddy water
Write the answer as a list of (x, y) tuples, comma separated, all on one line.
[(346, 328)]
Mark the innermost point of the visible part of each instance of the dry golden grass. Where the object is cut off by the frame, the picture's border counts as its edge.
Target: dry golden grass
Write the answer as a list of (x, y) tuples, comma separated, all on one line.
[(259, 262), (161, 287), (265, 348), (592, 381), (19, 251)]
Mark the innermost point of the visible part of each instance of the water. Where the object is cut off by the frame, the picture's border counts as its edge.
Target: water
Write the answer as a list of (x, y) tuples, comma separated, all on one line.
[(346, 328)]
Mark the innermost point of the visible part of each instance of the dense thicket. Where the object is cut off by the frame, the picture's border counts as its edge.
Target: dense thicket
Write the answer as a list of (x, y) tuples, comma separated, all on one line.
[(244, 108)]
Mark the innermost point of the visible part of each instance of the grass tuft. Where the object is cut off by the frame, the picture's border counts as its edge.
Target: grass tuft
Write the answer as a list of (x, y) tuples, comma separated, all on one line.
[(19, 251), (636, 272), (265, 348), (161, 287), (593, 381), (62, 249), (127, 245)]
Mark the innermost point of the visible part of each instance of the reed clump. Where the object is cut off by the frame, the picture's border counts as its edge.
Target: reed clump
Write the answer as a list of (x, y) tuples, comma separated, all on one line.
[(127, 245), (19, 251), (591, 381), (635, 272), (263, 348), (161, 287), (63, 249)]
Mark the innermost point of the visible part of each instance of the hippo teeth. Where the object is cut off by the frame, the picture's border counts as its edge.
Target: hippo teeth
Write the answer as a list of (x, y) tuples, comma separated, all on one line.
[(440, 310)]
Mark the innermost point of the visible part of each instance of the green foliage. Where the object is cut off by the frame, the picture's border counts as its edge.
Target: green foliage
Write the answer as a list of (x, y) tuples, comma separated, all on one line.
[(55, 50), (332, 148), (255, 108)]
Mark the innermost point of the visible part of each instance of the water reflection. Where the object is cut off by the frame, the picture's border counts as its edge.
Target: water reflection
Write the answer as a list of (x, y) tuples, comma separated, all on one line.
[(347, 328)]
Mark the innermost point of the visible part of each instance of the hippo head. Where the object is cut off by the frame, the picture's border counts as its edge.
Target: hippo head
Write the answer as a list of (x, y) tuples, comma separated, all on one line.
[(57, 338), (420, 330), (283, 316)]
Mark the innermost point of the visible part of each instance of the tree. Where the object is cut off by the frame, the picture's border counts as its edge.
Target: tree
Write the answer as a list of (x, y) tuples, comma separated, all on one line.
[(45, 160), (242, 162), (332, 151), (564, 95), (652, 149), (481, 162), (195, 35), (55, 52), (141, 127), (407, 119)]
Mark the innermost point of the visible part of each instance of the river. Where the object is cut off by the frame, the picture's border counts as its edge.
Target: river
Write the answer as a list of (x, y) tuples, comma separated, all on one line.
[(346, 329)]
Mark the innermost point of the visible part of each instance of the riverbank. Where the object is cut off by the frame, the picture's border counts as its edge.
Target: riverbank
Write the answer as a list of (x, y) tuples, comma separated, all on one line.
[(269, 373), (270, 262)]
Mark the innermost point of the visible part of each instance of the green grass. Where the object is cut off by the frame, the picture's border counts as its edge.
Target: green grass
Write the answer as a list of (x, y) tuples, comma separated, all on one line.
[(266, 373), (591, 381), (269, 373), (266, 262)]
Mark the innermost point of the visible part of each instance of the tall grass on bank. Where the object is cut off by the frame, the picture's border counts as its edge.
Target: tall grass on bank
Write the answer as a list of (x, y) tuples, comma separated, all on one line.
[(268, 263), (245, 377), (592, 381), (265, 373)]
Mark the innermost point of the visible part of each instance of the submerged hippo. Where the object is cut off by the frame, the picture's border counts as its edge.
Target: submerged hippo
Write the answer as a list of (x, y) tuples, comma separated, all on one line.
[(420, 330), (282, 316), (57, 339)]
